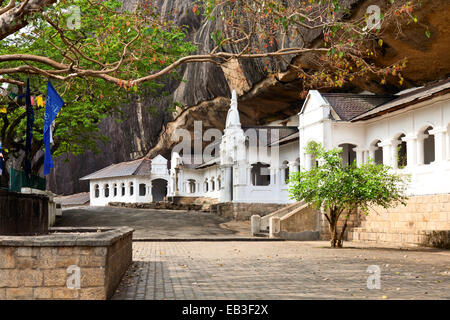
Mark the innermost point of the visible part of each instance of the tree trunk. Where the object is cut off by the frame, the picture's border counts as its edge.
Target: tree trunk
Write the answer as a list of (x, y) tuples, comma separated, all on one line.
[(333, 228), (336, 237)]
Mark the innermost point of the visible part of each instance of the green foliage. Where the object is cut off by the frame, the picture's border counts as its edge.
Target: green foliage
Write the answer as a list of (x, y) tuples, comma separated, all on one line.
[(332, 185), (337, 188), (101, 39)]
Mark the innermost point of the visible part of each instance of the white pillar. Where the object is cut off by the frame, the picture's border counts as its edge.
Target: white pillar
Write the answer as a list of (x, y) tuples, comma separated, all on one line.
[(439, 143), (227, 184), (255, 224), (359, 156), (371, 153), (420, 153), (448, 144), (387, 146), (308, 161), (274, 226), (366, 156), (411, 154)]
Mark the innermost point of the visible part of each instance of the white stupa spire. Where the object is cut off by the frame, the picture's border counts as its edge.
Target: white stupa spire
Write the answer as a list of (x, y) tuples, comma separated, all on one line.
[(233, 113)]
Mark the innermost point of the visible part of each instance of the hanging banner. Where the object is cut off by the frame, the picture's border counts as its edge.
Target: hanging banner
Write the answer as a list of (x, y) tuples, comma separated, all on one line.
[(52, 107)]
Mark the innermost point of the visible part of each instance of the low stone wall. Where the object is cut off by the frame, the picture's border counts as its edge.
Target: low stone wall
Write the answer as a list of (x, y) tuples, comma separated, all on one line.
[(23, 214), (37, 267), (424, 221), (52, 209), (244, 211), (302, 219)]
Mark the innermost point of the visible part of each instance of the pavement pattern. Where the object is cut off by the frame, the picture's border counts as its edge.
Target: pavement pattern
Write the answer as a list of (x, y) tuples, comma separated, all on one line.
[(281, 270), (156, 224)]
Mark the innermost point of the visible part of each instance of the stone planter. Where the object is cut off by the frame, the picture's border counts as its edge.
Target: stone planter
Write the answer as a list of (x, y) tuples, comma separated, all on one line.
[(23, 214), (50, 266)]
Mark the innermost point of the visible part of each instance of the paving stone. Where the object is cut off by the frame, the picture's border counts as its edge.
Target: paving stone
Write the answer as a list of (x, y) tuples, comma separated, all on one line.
[(282, 270)]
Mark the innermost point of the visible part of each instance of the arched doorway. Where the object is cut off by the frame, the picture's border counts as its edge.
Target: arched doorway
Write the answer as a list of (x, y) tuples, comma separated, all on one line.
[(159, 189), (348, 155)]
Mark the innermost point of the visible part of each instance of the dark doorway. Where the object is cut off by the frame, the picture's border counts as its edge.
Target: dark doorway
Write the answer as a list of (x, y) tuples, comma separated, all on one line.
[(159, 189)]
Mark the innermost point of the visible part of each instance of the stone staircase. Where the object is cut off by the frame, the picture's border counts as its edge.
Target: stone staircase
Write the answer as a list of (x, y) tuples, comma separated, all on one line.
[(279, 213), (297, 221)]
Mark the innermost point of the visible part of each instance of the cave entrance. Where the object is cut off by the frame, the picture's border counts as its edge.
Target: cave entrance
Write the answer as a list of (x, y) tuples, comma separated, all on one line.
[(159, 190)]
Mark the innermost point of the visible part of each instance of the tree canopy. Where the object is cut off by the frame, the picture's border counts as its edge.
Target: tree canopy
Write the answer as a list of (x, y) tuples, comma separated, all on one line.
[(340, 189), (98, 54)]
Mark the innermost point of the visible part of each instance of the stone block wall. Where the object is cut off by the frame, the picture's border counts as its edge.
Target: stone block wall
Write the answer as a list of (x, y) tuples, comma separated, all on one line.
[(353, 222), (244, 211), (37, 267), (425, 220)]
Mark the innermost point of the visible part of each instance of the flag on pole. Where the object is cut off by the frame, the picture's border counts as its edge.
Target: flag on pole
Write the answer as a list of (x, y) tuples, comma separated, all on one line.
[(52, 107), (30, 123), (2, 160)]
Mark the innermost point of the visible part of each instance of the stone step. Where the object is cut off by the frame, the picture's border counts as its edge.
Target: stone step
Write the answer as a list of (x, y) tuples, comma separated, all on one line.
[(262, 234)]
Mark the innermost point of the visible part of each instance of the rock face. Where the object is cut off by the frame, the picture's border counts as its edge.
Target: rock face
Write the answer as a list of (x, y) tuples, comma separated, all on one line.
[(206, 91)]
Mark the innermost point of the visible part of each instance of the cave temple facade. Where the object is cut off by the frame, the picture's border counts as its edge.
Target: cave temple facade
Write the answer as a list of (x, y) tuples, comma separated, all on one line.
[(409, 132)]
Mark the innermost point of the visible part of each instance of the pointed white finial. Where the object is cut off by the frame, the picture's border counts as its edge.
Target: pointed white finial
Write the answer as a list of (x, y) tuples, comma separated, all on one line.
[(233, 113), (234, 103)]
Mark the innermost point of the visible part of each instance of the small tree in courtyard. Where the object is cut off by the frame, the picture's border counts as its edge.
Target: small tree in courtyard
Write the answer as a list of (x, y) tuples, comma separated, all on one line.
[(341, 189)]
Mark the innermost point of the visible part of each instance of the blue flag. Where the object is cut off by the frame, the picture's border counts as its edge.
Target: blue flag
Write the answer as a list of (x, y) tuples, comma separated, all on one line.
[(1, 160), (52, 107), (30, 123)]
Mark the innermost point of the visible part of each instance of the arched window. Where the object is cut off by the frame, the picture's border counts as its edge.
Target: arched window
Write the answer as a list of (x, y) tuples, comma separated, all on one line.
[(142, 190), (297, 164), (402, 158), (377, 152), (191, 186), (106, 190), (96, 191), (115, 189), (213, 184), (206, 186), (131, 188), (219, 183), (123, 189), (286, 172), (348, 155), (260, 174), (428, 147)]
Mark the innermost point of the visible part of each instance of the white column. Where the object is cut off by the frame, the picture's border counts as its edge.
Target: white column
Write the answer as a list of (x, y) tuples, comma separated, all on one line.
[(411, 153), (359, 156), (439, 143), (420, 153), (366, 156), (227, 184), (371, 153), (387, 146), (292, 166), (308, 161), (448, 144)]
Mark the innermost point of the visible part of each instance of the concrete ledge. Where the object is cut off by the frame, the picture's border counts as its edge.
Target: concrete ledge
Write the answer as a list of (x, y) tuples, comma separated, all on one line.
[(299, 236), (45, 267), (67, 236), (205, 239)]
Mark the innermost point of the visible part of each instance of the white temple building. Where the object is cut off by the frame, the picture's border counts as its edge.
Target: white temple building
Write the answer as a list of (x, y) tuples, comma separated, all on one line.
[(409, 132)]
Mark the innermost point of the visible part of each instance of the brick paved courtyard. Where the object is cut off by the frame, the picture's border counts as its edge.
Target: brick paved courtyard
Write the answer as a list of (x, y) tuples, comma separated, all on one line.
[(281, 270)]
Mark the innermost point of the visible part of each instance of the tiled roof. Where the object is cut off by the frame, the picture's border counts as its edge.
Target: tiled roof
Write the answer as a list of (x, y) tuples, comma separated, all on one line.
[(404, 100), (268, 135), (350, 105), (209, 163), (290, 138), (123, 169)]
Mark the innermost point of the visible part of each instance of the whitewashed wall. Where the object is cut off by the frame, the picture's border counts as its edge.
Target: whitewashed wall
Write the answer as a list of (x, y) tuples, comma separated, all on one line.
[(434, 178)]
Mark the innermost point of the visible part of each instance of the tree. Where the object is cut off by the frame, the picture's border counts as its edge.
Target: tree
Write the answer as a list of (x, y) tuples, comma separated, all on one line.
[(100, 54), (338, 189), (88, 99)]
